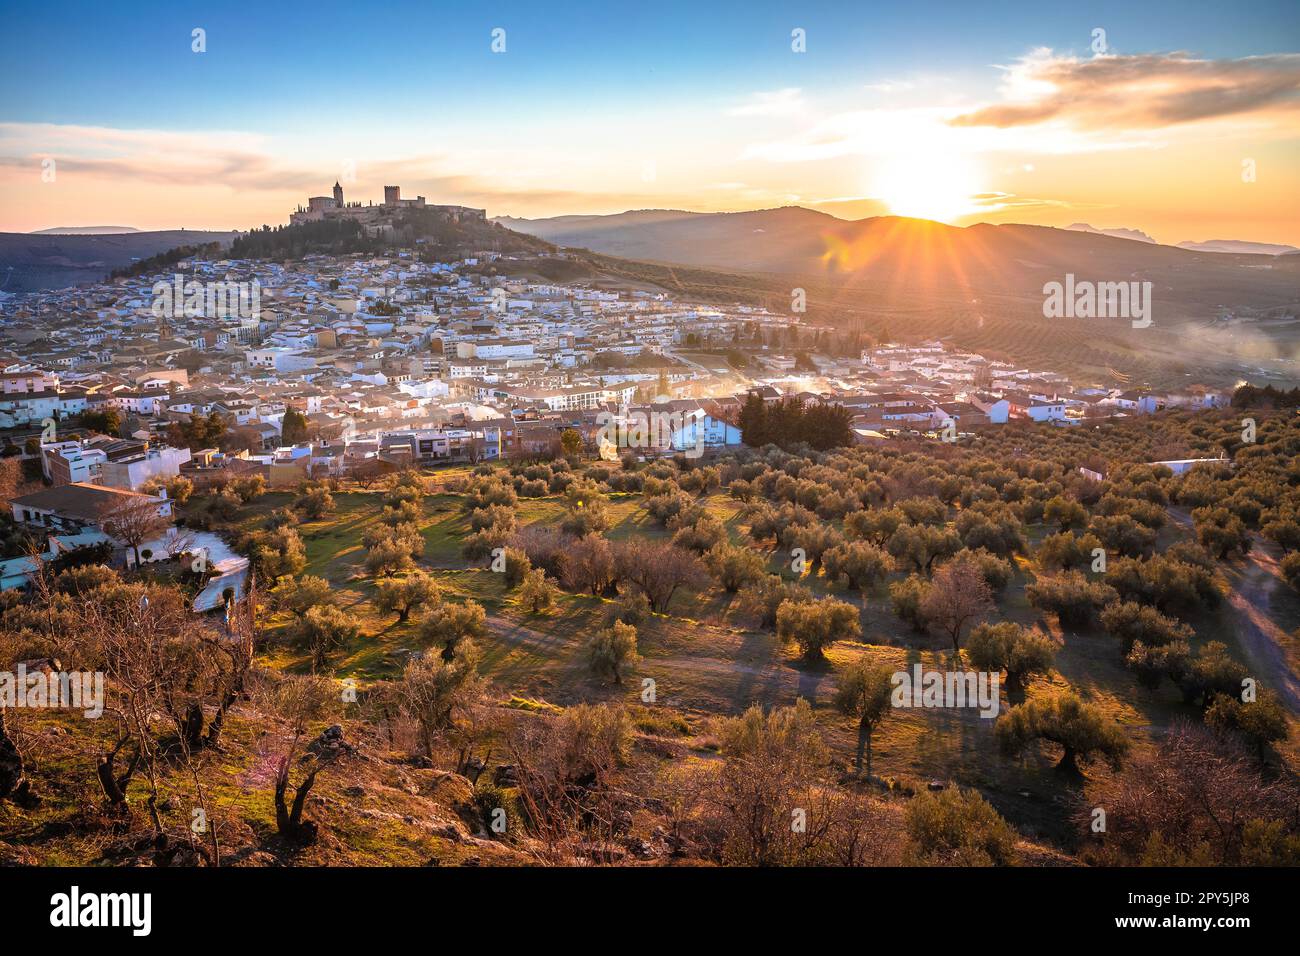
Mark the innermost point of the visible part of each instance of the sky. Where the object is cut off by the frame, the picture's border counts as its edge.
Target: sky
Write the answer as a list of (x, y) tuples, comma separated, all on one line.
[(1181, 119)]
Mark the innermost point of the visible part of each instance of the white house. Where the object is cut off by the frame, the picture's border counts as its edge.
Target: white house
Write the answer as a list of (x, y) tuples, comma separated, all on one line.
[(135, 472), (1046, 411), (78, 506), (997, 409), (700, 429)]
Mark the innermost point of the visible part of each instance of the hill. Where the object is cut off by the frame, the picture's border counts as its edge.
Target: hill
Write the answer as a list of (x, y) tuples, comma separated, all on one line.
[(30, 262), (766, 240), (1239, 246), (1216, 316), (1136, 234), (84, 231), (402, 780), (923, 256), (429, 230)]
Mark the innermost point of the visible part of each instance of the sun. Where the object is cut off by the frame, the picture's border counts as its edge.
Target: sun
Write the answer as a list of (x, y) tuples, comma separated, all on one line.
[(929, 185)]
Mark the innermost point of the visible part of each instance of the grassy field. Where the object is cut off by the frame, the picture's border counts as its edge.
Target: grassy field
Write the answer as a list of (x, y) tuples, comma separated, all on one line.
[(707, 659)]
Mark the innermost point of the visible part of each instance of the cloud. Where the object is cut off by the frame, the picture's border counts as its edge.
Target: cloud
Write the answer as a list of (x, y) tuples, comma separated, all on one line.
[(215, 157), (890, 86), (1139, 92), (249, 163), (1053, 104), (989, 202), (784, 102)]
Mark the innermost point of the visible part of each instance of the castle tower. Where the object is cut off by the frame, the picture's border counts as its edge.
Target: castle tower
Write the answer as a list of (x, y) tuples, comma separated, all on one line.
[(338, 194), (392, 195)]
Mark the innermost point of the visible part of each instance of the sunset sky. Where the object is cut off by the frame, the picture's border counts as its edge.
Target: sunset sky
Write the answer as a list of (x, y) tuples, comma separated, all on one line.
[(928, 109)]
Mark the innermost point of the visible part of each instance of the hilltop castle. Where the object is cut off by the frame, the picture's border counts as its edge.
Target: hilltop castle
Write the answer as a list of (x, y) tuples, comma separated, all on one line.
[(375, 218)]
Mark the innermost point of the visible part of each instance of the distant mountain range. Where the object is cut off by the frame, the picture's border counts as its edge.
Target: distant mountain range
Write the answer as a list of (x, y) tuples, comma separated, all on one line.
[(919, 255), (787, 233), (1136, 234), (1234, 246), (30, 262), (84, 231), (1240, 246)]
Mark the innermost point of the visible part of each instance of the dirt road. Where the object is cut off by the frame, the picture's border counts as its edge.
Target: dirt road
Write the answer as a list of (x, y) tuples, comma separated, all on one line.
[(1262, 641), (1261, 638)]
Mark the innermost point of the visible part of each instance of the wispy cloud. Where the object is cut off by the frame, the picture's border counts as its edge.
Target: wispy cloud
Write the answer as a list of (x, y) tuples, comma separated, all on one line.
[(250, 163), (990, 202), (890, 86), (1138, 92), (785, 102), (217, 157)]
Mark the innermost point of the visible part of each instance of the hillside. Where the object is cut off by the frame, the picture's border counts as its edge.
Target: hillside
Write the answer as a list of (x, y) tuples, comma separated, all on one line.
[(1119, 233), (920, 256), (1238, 246), (84, 231), (1216, 317), (30, 262), (427, 230), (481, 695)]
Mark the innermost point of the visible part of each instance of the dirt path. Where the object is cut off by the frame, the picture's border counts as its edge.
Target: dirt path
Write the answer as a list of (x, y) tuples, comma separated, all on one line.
[(1260, 636), (1261, 639)]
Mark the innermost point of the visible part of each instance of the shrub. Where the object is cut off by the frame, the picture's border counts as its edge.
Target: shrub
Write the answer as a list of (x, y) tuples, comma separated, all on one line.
[(517, 566), (860, 563), (699, 537), (450, 624), (388, 557), (1259, 723), (957, 828), (403, 595), (611, 653), (536, 593), (631, 609), (315, 503), (323, 630)]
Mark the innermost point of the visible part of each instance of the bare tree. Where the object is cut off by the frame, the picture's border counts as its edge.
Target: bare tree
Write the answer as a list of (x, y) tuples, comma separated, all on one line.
[(301, 700), (568, 768), (136, 521), (366, 471), (957, 596), (1194, 798), (442, 696), (163, 670), (659, 569), (588, 565)]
